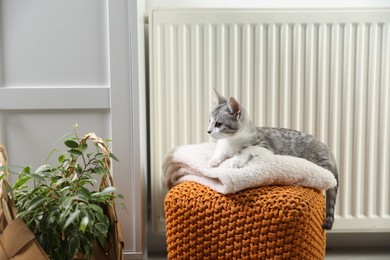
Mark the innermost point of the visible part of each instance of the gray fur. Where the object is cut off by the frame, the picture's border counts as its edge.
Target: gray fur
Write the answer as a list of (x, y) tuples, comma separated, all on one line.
[(229, 124)]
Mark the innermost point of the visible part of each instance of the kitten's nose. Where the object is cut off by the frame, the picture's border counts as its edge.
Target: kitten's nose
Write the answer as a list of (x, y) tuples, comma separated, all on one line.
[(209, 131)]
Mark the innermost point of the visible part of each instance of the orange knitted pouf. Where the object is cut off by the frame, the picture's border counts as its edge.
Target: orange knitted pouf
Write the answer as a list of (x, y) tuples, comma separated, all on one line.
[(271, 222)]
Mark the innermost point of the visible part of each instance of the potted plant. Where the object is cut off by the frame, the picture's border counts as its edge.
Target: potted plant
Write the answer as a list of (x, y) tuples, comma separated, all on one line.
[(64, 205)]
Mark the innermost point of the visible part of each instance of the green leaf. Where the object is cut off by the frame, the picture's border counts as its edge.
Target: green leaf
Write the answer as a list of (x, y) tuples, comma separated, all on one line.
[(61, 158), (84, 193), (78, 169), (43, 168), (38, 178), (61, 181), (35, 203), (26, 170), (71, 144), (101, 228), (65, 188), (84, 223), (112, 156), (102, 218), (83, 147), (101, 238), (23, 214), (74, 245), (75, 152), (72, 218), (65, 164), (66, 205), (96, 208), (53, 218), (21, 181), (108, 190), (86, 181), (88, 212), (99, 170), (99, 156)]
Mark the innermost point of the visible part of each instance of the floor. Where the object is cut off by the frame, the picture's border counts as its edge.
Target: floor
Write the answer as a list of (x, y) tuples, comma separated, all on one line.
[(359, 255), (337, 255), (357, 244)]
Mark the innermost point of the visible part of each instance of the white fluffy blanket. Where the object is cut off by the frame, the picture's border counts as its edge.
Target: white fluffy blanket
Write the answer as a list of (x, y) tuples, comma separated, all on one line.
[(189, 163)]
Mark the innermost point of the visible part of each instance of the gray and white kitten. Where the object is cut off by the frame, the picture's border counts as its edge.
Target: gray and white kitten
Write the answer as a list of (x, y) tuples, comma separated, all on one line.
[(238, 138)]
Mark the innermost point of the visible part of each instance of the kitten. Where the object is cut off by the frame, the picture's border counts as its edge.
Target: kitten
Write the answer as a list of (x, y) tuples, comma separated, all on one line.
[(239, 139)]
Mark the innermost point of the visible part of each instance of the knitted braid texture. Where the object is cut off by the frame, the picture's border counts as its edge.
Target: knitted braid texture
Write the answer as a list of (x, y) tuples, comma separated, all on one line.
[(271, 222)]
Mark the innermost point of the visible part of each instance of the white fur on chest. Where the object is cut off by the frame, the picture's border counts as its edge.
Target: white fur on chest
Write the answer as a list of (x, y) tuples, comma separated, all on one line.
[(236, 143), (231, 146)]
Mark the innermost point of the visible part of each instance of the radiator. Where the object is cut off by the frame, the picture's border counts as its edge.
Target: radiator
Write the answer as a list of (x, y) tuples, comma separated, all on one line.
[(325, 72)]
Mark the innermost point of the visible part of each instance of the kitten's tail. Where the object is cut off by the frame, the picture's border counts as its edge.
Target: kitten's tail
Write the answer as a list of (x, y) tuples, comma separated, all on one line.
[(331, 195), (330, 206)]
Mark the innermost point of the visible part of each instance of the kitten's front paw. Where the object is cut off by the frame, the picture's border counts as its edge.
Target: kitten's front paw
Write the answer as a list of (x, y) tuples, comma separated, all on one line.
[(213, 163), (237, 162)]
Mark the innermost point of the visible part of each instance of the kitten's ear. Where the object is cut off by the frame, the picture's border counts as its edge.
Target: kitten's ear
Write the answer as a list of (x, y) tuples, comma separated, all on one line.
[(235, 107), (218, 98)]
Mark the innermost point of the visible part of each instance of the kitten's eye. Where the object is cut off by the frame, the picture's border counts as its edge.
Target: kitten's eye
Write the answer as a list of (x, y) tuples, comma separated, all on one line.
[(218, 124)]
